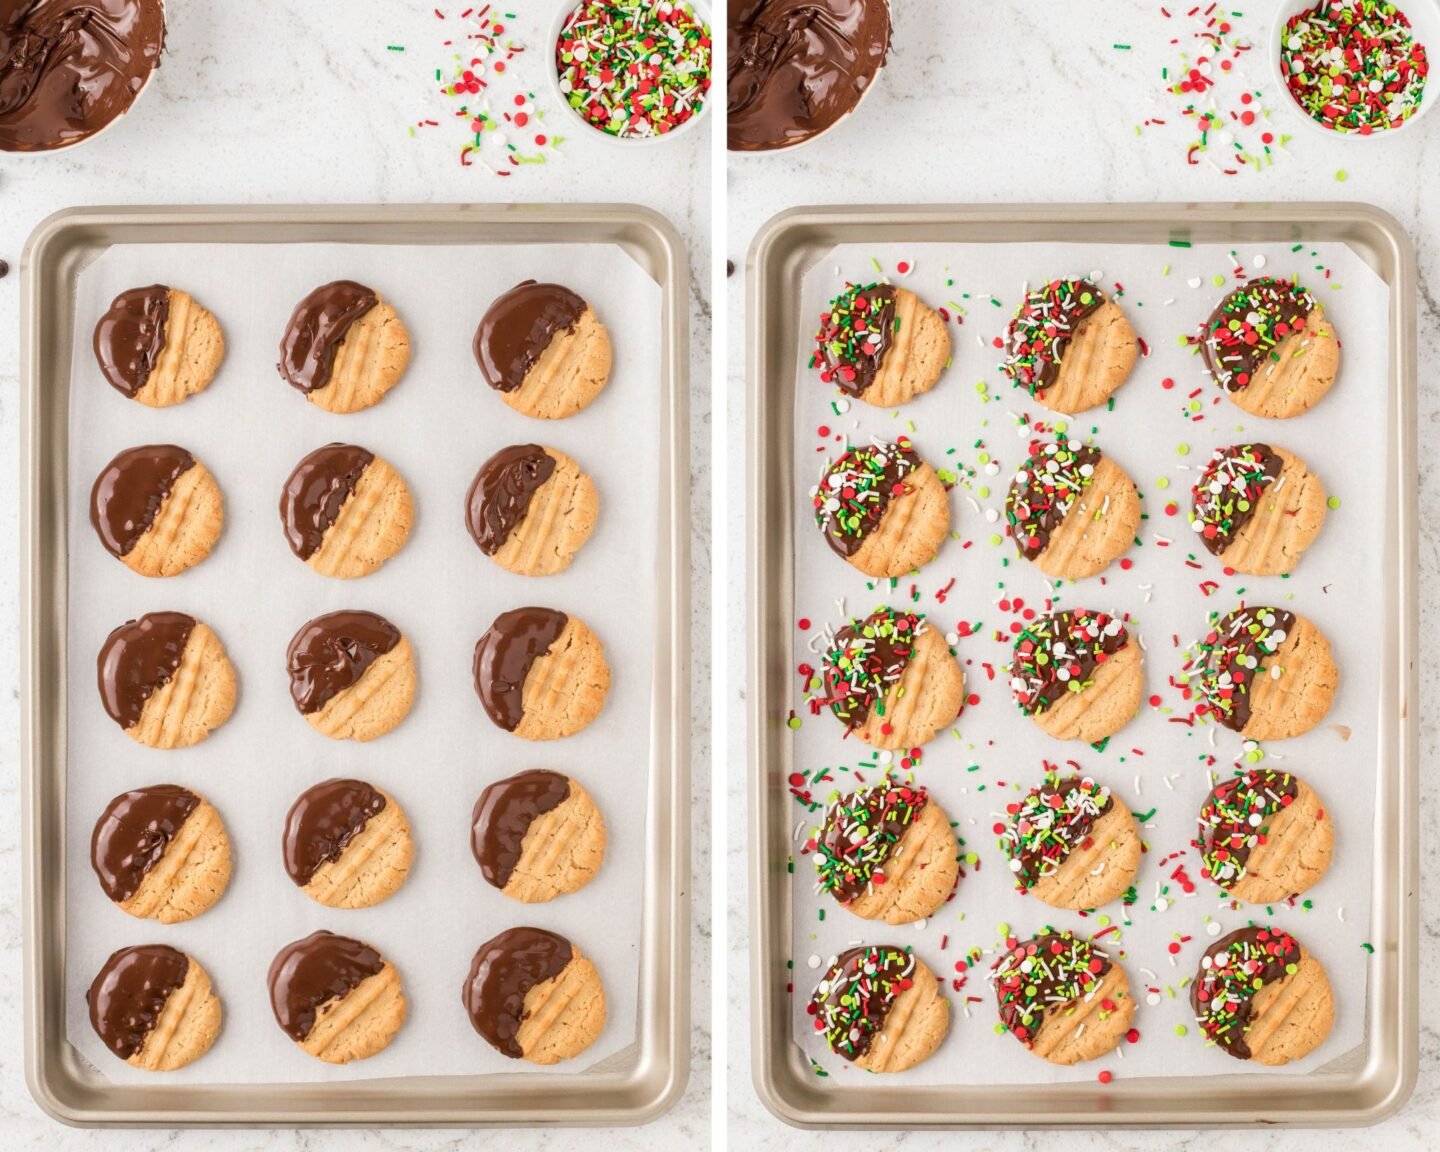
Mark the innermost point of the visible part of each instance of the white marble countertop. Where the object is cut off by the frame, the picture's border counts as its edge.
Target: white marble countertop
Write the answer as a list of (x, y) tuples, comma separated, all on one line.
[(1027, 100), (292, 103)]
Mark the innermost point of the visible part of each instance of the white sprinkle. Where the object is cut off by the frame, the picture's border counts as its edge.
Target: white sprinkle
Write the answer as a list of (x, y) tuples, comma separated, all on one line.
[(814, 961)]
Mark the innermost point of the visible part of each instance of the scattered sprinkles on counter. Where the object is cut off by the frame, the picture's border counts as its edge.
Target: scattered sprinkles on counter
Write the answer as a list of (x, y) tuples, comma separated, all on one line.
[(634, 70), (1354, 66)]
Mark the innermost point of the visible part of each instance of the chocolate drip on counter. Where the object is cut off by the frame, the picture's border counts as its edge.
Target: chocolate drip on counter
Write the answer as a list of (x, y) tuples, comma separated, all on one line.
[(1227, 834), (129, 994), (854, 999), (1240, 634), (503, 815), (133, 834), (316, 491), (500, 495), (130, 337), (322, 823), (502, 973), (308, 974), (332, 652), (317, 327), (519, 326), (1038, 505), (504, 655), (138, 658), (129, 493), (855, 337), (1224, 997), (1243, 332), (860, 833), (797, 67), (70, 67), (1256, 467)]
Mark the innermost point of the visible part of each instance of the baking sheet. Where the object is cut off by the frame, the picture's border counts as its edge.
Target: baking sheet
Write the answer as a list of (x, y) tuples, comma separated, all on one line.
[(995, 753), (437, 427)]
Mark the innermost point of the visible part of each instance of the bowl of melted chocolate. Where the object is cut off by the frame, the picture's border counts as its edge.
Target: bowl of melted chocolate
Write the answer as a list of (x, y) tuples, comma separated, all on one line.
[(71, 68), (799, 67)]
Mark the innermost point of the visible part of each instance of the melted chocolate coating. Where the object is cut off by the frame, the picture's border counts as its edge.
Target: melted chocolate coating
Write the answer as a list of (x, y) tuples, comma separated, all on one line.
[(503, 815), (1227, 833), (332, 652), (129, 993), (853, 1000), (1063, 968), (316, 491), (1040, 854), (871, 487), (518, 327), (1041, 331), (323, 821), (129, 493), (1224, 997), (504, 655), (850, 356), (1256, 467), (797, 67), (1038, 504), (308, 974), (317, 327), (134, 832), (137, 658), (1076, 642), (860, 834), (1264, 312), (500, 495), (70, 67), (130, 337), (503, 971), (1238, 645)]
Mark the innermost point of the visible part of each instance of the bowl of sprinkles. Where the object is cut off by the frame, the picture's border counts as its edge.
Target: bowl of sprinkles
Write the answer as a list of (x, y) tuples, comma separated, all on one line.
[(1356, 67), (633, 71)]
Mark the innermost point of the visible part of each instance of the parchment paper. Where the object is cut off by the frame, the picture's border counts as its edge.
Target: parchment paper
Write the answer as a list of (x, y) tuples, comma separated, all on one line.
[(437, 427), (1152, 763)]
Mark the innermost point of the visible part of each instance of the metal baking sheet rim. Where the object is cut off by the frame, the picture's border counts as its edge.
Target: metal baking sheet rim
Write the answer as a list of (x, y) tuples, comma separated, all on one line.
[(780, 253), (63, 1083)]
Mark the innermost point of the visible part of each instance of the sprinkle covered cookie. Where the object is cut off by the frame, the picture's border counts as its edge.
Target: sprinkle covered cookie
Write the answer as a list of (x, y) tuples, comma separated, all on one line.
[(886, 852), (166, 680), (153, 1006), (882, 508), (540, 674), (1264, 672), (1062, 997), (880, 1008), (161, 853), (533, 996), (881, 344), (1069, 346), (542, 347), (352, 675), (157, 509), (345, 511), (1260, 996), (892, 680), (347, 844), (1071, 510), (1071, 842), (1076, 674), (530, 509), (336, 997), (157, 346), (344, 347), (1264, 836), (537, 835), (1257, 508), (1269, 346)]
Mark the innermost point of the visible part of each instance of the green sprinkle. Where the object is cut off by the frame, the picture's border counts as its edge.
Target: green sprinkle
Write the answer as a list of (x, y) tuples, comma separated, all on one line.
[(1333, 502)]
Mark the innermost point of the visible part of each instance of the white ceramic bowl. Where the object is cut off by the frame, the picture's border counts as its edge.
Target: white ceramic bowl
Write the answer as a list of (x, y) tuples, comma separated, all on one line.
[(573, 117), (1424, 17)]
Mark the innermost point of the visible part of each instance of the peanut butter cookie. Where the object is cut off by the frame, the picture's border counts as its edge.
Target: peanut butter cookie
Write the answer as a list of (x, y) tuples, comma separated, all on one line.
[(881, 344), (157, 346), (157, 510), (880, 1007), (544, 350)]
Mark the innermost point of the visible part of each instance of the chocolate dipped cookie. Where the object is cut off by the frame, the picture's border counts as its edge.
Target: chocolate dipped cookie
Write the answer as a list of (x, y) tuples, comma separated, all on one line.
[(344, 348), (338, 998), (157, 346), (1257, 508), (882, 508), (1077, 674), (161, 853), (352, 675), (537, 835), (347, 844), (345, 511), (544, 350), (154, 1007), (880, 1007), (530, 509), (1071, 510), (1264, 836), (157, 509), (540, 674), (533, 996), (891, 680), (881, 344), (1069, 346), (166, 680)]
